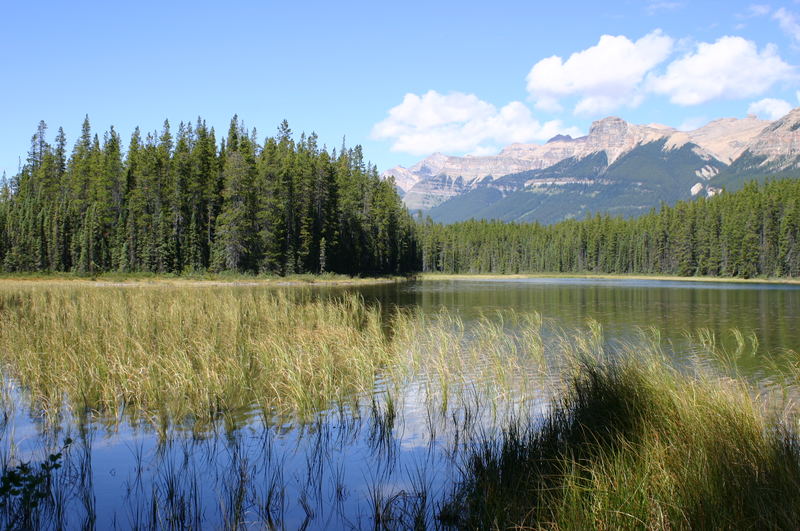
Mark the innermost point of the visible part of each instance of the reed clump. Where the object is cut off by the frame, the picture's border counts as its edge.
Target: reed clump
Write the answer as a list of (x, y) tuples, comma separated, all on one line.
[(166, 354), (189, 354), (500, 356), (630, 443)]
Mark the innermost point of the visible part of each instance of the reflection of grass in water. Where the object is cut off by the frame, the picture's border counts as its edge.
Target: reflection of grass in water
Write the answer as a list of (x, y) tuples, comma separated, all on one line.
[(499, 358), (631, 442)]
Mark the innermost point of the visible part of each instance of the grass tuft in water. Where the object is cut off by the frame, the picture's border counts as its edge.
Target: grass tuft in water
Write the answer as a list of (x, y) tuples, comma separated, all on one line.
[(633, 443)]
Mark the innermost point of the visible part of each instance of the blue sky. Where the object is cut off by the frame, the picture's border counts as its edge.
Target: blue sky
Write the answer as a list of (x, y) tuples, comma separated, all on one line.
[(403, 79)]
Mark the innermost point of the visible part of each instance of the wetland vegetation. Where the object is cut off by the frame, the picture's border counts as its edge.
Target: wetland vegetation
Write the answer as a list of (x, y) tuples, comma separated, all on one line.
[(631, 443), (251, 407), (173, 353)]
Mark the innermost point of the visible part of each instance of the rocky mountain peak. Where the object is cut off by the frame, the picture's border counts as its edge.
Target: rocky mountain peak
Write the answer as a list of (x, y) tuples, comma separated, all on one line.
[(404, 178), (430, 165), (788, 124), (611, 125), (615, 136)]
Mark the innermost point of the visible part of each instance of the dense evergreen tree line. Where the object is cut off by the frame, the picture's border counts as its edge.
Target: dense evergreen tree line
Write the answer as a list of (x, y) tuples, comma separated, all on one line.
[(177, 203), (752, 232)]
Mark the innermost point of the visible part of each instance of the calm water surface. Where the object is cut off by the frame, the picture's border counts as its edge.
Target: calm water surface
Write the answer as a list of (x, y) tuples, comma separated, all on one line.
[(772, 311), (339, 472)]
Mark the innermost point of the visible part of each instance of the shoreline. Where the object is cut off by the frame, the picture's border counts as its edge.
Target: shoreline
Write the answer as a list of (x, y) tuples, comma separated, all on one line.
[(120, 280), (602, 276)]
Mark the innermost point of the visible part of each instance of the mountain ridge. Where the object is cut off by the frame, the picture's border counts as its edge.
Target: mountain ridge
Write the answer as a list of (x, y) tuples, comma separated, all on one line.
[(719, 154)]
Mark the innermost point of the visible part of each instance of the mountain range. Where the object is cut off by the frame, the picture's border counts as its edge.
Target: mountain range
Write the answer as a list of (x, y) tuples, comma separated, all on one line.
[(619, 168)]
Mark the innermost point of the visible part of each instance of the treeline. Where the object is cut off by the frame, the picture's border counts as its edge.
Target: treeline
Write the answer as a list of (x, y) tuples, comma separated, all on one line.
[(183, 202), (187, 202), (752, 232)]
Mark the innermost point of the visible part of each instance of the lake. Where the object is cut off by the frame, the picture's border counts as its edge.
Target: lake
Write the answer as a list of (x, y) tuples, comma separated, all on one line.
[(385, 459)]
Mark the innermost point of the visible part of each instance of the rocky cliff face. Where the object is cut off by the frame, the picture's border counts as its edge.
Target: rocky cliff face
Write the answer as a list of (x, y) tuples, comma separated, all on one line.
[(773, 153), (641, 179), (470, 169), (611, 135), (780, 141), (727, 138), (440, 177), (615, 137), (433, 191)]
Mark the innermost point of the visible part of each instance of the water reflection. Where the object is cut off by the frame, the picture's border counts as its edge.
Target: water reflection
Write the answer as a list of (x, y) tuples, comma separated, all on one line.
[(620, 306)]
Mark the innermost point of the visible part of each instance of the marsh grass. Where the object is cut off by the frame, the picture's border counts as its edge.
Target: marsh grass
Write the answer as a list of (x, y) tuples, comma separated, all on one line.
[(189, 354), (631, 442), (166, 355), (499, 360)]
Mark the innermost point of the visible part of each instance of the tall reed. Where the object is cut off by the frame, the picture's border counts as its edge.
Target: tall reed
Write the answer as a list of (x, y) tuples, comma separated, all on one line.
[(189, 353)]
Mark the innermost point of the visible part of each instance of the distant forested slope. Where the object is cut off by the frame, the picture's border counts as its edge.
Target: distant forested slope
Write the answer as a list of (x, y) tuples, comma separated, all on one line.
[(752, 232), (177, 202)]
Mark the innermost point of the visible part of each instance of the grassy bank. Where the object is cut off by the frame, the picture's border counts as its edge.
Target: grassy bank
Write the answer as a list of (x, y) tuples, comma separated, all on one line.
[(483, 276)]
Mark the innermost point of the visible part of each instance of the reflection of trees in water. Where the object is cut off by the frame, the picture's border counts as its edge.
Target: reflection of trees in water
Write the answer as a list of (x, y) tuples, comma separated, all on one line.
[(771, 313)]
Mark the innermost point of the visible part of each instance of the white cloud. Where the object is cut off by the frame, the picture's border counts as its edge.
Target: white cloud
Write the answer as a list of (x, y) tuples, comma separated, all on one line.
[(460, 123), (788, 23), (769, 108), (797, 95), (616, 72), (730, 68), (605, 76)]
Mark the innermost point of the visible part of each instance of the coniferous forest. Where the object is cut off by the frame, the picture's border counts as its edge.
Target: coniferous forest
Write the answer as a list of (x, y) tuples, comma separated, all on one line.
[(177, 201), (184, 202), (751, 232)]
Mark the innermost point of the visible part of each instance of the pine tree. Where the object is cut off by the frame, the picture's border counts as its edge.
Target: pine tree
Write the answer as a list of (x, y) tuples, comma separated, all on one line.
[(236, 231)]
